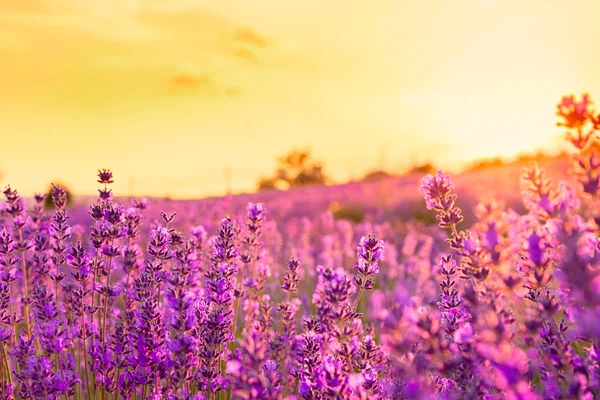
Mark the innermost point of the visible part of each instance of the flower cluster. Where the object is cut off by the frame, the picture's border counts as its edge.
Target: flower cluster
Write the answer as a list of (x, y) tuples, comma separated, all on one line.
[(213, 300)]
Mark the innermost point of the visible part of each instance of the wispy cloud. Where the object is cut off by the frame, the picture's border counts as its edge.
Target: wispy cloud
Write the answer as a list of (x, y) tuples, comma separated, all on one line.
[(418, 97), (248, 36), (247, 55), (185, 81), (203, 84), (24, 7), (10, 43)]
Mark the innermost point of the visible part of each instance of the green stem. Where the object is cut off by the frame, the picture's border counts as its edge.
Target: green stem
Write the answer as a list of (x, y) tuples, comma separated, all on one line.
[(360, 292), (92, 319), (5, 357), (87, 378), (59, 368), (237, 306), (106, 296), (12, 313), (25, 285), (117, 383), (56, 290)]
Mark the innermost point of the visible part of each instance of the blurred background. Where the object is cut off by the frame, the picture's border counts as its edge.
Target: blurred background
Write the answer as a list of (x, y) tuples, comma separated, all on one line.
[(191, 98)]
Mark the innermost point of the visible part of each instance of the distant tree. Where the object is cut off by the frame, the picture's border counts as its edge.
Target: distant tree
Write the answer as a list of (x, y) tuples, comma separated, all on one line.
[(376, 175), (354, 214), (422, 169), (527, 158), (296, 168), (479, 165), (49, 205), (267, 184)]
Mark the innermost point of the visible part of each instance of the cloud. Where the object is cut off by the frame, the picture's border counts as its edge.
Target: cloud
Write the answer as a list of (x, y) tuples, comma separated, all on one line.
[(160, 51), (248, 36), (25, 7), (233, 92), (204, 84), (185, 81), (246, 55), (10, 43), (418, 97)]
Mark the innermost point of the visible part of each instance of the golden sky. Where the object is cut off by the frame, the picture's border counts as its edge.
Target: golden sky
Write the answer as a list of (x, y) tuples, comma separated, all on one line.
[(169, 93)]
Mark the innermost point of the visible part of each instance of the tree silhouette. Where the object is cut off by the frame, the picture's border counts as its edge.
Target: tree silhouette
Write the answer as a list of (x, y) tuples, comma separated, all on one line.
[(296, 168), (49, 205), (422, 169)]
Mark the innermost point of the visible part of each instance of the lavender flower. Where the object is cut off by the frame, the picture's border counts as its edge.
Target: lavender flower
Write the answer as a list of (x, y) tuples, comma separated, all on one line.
[(140, 307), (370, 252)]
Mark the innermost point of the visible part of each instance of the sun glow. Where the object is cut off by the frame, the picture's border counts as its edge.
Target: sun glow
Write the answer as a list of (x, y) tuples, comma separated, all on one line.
[(173, 94)]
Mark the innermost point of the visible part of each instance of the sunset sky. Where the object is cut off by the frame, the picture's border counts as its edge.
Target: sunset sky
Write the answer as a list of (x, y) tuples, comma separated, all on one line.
[(170, 93)]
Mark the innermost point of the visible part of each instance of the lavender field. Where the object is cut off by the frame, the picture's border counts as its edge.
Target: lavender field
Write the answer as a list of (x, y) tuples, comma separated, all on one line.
[(379, 290)]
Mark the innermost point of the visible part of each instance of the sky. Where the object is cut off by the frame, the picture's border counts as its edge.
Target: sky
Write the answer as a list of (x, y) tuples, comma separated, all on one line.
[(175, 95)]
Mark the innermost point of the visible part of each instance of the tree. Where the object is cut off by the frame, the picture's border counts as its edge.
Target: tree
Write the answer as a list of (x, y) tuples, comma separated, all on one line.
[(296, 168), (422, 169), (376, 175), (49, 205)]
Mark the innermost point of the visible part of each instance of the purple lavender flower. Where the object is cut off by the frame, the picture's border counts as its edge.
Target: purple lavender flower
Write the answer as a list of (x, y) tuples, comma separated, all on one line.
[(105, 176), (155, 308), (290, 281), (370, 252)]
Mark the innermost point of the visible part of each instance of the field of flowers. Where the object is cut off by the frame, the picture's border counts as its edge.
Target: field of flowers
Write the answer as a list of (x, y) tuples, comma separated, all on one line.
[(274, 296)]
